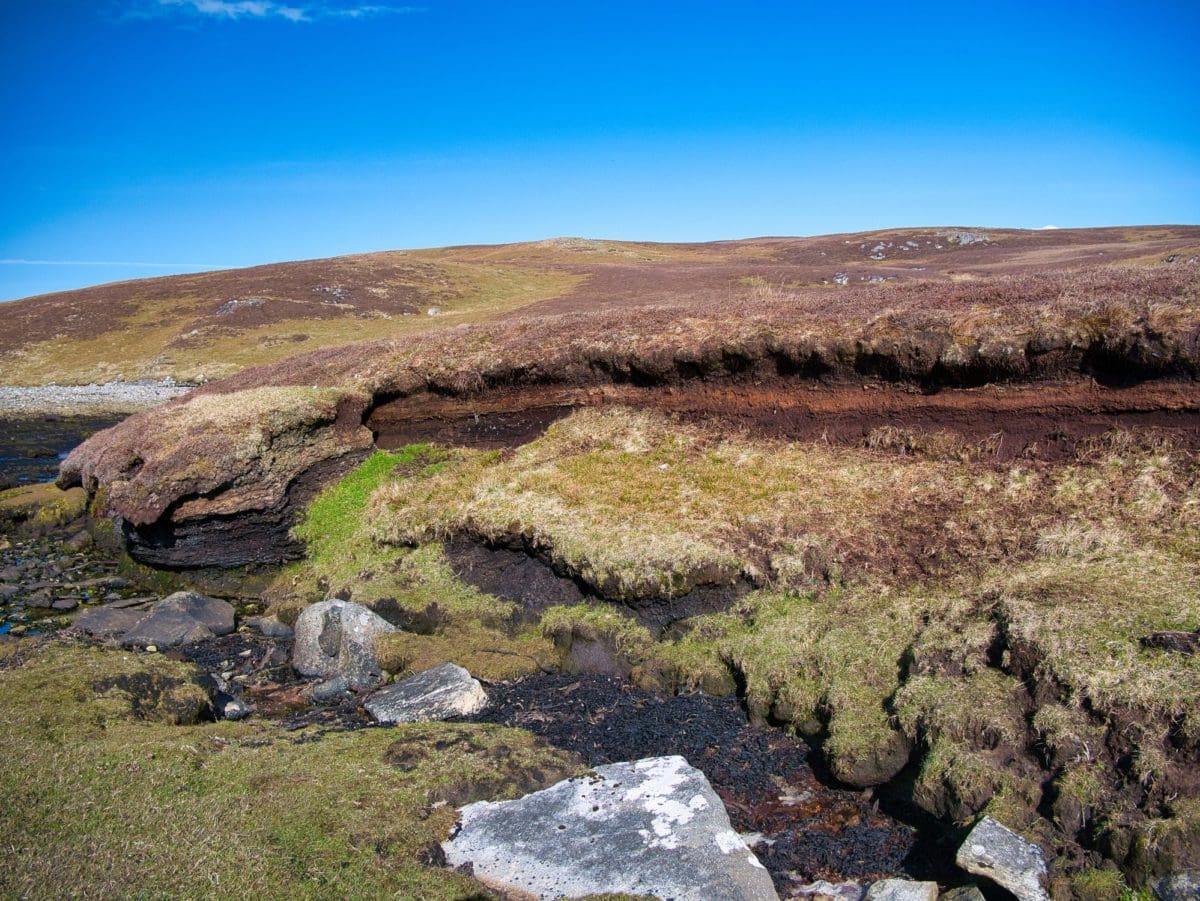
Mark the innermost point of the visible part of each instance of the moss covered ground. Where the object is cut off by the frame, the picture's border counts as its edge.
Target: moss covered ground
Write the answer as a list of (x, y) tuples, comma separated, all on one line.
[(104, 794)]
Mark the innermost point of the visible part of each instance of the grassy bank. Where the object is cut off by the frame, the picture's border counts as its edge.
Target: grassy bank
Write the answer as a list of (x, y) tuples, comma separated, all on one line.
[(111, 788)]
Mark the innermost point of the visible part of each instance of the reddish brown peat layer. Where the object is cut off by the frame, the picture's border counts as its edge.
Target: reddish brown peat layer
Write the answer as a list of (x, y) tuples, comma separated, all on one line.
[(1043, 421)]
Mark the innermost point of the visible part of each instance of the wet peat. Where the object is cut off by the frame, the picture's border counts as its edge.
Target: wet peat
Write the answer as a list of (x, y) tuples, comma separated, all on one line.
[(810, 831)]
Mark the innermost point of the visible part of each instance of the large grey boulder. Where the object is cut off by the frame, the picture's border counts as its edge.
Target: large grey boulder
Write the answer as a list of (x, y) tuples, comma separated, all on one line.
[(902, 890), (435, 694), (652, 827), (337, 638), (993, 850), (1179, 887), (180, 618)]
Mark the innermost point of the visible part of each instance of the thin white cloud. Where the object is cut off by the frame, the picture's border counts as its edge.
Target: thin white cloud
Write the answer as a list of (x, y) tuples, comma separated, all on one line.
[(130, 263), (271, 9)]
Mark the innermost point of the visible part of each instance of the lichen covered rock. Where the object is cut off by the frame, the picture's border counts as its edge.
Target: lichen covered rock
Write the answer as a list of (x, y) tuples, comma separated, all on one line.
[(651, 827)]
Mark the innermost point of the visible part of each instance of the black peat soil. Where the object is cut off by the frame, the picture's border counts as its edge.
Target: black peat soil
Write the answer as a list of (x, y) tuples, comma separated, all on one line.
[(809, 830)]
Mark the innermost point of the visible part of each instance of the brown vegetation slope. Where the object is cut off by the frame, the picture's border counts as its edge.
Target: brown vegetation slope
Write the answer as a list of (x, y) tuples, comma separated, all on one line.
[(1037, 336), (197, 328)]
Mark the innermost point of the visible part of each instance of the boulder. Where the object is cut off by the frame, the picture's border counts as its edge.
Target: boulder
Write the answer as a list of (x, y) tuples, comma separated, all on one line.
[(180, 618), (902, 890), (993, 850), (435, 694), (1179, 887), (651, 827), (337, 638), (107, 622)]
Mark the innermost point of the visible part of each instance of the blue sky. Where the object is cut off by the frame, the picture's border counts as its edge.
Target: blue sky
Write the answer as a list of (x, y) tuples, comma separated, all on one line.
[(144, 137)]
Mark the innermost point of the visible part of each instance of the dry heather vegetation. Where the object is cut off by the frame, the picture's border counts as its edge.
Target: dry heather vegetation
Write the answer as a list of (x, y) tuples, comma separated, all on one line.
[(203, 327), (911, 595)]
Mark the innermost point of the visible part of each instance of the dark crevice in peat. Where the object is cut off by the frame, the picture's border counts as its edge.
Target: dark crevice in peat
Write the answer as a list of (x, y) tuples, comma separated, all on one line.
[(520, 572)]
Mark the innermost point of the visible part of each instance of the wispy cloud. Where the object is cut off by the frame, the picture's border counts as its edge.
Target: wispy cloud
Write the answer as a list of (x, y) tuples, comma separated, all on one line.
[(270, 9), (123, 263)]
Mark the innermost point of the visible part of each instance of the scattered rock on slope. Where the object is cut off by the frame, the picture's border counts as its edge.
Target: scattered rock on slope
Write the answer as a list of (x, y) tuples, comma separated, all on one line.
[(177, 619), (651, 827), (435, 694), (995, 851), (335, 640), (182, 617)]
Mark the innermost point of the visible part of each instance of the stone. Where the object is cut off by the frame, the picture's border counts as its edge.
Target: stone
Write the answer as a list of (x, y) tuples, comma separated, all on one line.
[(651, 827), (106, 622), (179, 619), (330, 690), (79, 541), (68, 603), (337, 638), (127, 603), (435, 694), (902, 890), (996, 852), (234, 709), (830, 891), (39, 598), (270, 626), (962, 893), (1183, 886)]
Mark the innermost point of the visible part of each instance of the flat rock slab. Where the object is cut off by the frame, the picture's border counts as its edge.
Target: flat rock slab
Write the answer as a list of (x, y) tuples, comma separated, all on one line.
[(993, 850), (181, 618), (435, 694), (902, 890), (107, 622), (651, 827), (337, 638)]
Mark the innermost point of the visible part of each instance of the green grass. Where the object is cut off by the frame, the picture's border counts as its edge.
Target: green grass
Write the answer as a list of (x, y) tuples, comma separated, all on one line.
[(100, 803), (473, 629)]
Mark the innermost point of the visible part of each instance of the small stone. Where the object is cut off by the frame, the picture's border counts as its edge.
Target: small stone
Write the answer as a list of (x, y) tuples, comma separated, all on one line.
[(330, 690), (151, 649), (235, 709), (39, 598), (996, 852), (270, 626), (962, 893), (902, 890), (436, 694), (65, 604), (830, 891)]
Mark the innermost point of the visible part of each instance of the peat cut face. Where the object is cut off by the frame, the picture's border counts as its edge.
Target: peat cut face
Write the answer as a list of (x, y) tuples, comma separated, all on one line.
[(516, 571)]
